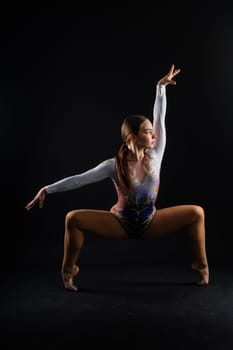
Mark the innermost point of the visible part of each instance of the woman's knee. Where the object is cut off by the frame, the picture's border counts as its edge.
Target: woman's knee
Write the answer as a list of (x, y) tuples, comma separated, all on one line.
[(71, 219), (198, 212), (73, 231)]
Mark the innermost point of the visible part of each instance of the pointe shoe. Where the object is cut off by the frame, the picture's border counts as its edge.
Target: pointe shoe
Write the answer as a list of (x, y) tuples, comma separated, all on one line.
[(204, 275)]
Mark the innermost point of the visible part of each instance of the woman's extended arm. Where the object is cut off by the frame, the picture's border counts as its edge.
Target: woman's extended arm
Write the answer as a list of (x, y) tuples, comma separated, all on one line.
[(102, 171), (159, 112)]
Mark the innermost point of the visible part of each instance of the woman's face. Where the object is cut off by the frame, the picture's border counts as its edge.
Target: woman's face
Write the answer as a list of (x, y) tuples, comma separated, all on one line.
[(146, 136)]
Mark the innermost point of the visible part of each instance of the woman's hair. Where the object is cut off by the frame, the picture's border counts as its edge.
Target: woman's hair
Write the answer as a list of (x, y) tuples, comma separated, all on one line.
[(130, 126)]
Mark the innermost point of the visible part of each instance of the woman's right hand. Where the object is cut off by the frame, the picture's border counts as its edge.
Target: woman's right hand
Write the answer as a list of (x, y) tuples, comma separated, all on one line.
[(39, 198)]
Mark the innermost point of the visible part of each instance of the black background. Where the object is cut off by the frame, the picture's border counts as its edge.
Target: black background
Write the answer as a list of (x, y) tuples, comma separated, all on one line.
[(68, 78)]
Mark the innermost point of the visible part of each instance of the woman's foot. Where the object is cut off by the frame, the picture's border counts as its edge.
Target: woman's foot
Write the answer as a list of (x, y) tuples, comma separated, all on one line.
[(68, 277), (204, 273)]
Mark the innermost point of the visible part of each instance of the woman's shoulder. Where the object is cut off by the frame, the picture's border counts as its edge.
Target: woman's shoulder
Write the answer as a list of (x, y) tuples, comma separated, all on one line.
[(109, 163)]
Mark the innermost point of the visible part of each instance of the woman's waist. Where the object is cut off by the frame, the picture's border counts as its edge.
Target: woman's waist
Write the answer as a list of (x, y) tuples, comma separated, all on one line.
[(134, 208)]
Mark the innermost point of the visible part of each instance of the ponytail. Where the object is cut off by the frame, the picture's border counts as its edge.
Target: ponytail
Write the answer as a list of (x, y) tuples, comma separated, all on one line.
[(122, 167), (130, 126)]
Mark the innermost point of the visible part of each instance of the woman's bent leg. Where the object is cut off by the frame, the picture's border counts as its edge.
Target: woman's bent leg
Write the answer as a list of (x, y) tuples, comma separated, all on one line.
[(101, 223), (170, 220)]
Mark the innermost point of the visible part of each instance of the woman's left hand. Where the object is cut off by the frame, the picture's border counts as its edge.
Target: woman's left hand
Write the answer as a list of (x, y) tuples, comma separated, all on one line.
[(168, 78)]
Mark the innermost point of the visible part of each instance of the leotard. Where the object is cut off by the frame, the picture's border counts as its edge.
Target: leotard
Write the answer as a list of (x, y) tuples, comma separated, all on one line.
[(134, 209)]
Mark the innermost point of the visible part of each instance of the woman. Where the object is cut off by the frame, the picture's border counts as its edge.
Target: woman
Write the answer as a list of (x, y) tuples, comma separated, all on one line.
[(135, 172)]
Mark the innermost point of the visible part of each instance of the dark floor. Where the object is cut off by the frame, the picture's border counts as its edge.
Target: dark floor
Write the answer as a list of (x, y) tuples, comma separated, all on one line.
[(122, 299)]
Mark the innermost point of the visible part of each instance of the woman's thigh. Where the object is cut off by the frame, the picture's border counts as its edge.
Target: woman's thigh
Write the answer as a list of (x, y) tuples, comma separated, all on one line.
[(170, 220), (99, 222)]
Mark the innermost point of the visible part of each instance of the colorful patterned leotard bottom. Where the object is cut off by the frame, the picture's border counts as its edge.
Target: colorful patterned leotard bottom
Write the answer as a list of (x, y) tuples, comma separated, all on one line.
[(136, 221)]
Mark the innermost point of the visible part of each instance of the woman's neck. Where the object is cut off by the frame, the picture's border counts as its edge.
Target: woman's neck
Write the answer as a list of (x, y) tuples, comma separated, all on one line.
[(135, 156)]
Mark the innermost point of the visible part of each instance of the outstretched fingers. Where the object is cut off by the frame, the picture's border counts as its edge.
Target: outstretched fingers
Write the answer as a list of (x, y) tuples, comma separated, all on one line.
[(172, 73), (176, 72), (40, 198), (171, 69), (31, 204), (168, 78)]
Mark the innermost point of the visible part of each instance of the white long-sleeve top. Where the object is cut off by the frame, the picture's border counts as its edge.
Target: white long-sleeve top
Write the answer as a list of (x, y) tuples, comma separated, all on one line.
[(143, 192)]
